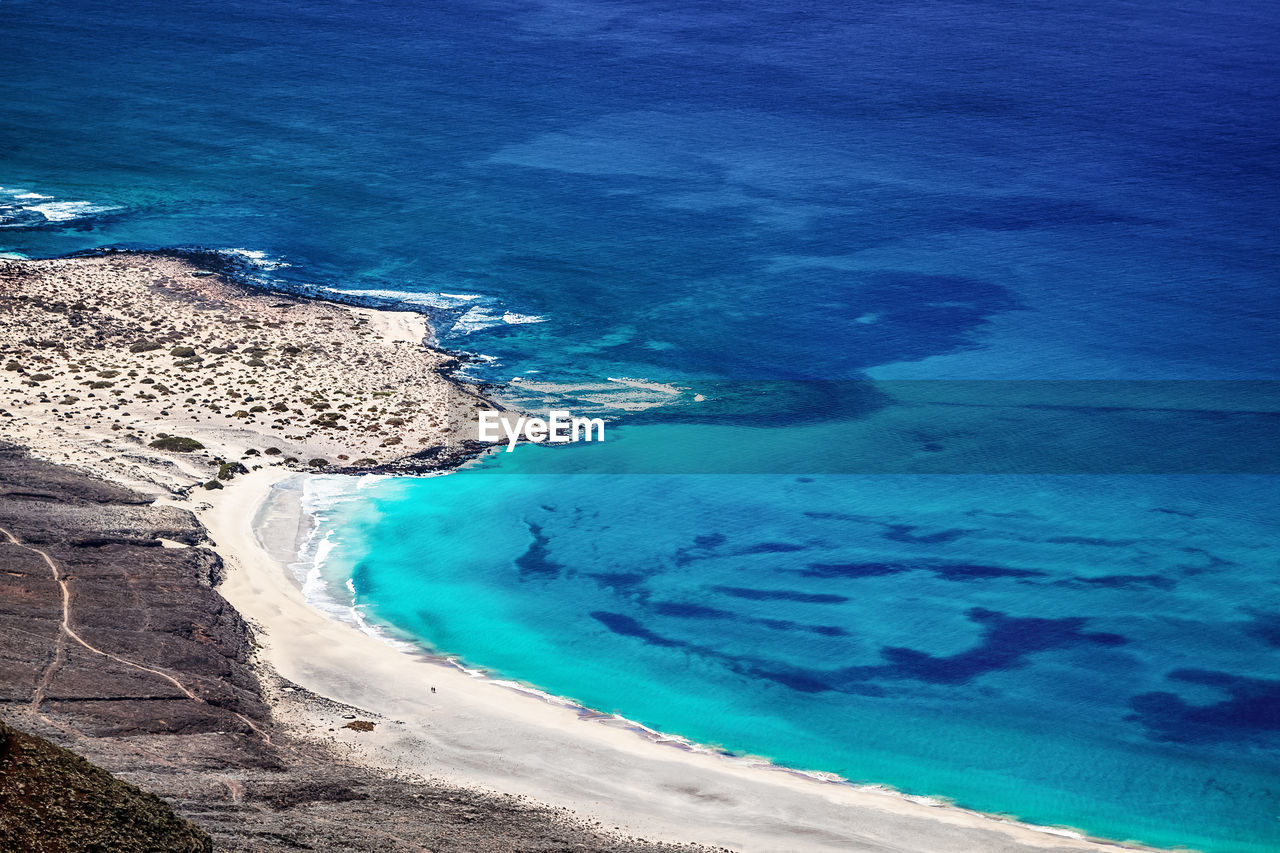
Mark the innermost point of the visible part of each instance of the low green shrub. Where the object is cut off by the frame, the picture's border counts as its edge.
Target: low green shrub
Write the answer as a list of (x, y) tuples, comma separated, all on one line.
[(227, 470), (177, 444)]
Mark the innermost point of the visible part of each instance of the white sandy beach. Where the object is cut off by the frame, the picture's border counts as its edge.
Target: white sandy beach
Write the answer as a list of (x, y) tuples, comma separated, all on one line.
[(475, 732)]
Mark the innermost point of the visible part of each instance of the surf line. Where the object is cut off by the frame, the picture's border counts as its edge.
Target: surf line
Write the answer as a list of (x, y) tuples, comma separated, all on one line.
[(560, 427)]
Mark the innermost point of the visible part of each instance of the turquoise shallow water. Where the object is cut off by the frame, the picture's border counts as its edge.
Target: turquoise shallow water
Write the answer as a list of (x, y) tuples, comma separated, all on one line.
[(1088, 651), (1073, 618)]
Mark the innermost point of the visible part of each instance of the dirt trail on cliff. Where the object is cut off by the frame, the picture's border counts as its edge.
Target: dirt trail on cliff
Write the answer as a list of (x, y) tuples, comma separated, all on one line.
[(123, 651)]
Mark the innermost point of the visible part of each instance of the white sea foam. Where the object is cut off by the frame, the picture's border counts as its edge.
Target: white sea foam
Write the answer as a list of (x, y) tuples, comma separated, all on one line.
[(429, 299), (456, 314), (322, 494), (23, 208), (480, 317), (257, 258), (618, 394), (476, 319), (366, 481), (64, 211), (648, 384), (476, 362), (513, 319)]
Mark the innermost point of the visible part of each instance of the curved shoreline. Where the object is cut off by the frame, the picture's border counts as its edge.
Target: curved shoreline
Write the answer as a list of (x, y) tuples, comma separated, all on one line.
[(466, 732), (802, 810)]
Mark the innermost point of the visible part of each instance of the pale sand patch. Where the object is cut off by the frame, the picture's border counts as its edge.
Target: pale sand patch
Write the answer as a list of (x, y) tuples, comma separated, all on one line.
[(396, 326), (475, 732)]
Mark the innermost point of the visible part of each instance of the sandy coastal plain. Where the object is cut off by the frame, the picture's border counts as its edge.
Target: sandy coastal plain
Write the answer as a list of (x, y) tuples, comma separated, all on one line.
[(107, 357), (101, 357)]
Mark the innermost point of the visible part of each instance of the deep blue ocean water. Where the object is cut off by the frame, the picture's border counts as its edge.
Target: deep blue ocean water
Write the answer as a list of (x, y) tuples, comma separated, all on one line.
[(1034, 595)]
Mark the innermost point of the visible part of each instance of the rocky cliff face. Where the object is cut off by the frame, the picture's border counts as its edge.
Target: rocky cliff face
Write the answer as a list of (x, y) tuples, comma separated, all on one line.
[(115, 643), (150, 647)]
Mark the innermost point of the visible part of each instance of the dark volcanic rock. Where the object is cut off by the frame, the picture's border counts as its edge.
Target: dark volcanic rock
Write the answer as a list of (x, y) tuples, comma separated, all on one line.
[(149, 607), (162, 693)]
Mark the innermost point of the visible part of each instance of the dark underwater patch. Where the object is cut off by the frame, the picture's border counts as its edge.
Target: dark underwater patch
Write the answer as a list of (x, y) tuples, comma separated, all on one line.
[(958, 572), (895, 531), (628, 627), (684, 610), (622, 582), (839, 516), (1092, 540), (700, 549), (1007, 641), (1168, 511), (536, 562), (1212, 562), (1264, 627), (769, 548), (1121, 582), (362, 579), (906, 533), (1252, 710), (780, 595), (854, 570), (1016, 213), (800, 680), (971, 572), (788, 625)]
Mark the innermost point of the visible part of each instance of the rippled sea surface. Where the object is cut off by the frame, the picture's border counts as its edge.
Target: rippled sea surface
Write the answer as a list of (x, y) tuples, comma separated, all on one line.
[(980, 300)]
